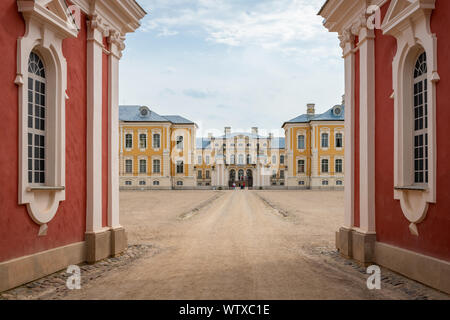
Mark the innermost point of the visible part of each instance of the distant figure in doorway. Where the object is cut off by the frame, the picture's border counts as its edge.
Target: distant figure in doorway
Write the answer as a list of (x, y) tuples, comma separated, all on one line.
[(234, 186)]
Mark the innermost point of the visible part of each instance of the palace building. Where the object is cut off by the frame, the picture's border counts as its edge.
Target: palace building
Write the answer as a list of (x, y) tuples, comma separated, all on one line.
[(397, 171), (162, 152), (315, 149), (156, 152), (60, 163)]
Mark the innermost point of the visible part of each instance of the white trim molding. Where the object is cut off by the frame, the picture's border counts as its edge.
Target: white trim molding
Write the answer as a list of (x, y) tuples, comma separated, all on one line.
[(47, 25), (409, 23)]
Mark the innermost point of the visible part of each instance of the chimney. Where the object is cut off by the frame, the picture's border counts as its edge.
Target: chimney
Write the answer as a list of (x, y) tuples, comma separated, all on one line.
[(310, 108), (227, 131), (255, 130)]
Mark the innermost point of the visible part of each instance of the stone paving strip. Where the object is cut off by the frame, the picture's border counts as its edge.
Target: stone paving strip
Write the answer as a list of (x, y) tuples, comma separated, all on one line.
[(389, 279), (53, 287)]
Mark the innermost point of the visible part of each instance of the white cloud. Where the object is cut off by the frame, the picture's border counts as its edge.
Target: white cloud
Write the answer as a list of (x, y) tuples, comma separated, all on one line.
[(269, 24)]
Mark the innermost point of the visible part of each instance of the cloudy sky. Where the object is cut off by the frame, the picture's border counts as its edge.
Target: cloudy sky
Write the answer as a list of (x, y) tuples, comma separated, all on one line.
[(238, 63)]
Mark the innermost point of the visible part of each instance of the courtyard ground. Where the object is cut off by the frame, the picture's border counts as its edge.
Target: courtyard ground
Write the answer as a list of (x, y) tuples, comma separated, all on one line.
[(230, 245)]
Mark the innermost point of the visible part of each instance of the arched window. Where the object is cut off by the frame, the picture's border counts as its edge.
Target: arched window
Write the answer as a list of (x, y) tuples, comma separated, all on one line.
[(241, 174), (421, 120), (37, 115)]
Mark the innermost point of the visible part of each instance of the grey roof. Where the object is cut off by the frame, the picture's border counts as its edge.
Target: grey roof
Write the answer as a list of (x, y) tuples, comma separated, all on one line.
[(329, 115), (279, 143), (178, 120), (203, 143), (132, 113)]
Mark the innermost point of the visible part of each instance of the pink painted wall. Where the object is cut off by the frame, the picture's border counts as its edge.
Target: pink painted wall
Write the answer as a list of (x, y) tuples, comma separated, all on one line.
[(18, 233), (391, 225)]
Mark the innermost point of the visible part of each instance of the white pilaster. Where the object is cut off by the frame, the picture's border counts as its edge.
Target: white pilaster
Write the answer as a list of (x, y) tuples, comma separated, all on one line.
[(113, 126), (367, 130), (347, 42), (94, 127)]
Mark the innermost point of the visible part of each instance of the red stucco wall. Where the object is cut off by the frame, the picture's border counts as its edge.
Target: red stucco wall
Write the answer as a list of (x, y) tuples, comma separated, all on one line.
[(391, 225), (105, 138), (18, 233)]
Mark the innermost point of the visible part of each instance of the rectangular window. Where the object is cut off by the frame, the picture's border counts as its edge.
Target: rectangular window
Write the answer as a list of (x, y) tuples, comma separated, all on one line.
[(129, 166), (142, 166), (274, 159), (339, 140), (207, 159), (301, 142), (301, 166), (156, 166), (128, 183), (129, 141), (199, 174), (420, 132), (200, 160), (325, 165), (142, 183), (36, 130), (142, 141), (324, 182), (180, 166), (281, 159), (156, 141), (208, 176), (156, 183), (180, 143), (324, 140), (338, 165), (281, 174)]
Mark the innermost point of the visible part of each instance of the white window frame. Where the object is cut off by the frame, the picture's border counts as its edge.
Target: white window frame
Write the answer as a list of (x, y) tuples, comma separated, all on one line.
[(145, 135), (322, 140), (199, 160), (125, 138), (321, 165), (45, 32), (342, 165), (304, 166), (342, 140), (298, 141), (159, 165), (125, 165), (178, 146), (146, 165), (207, 160), (413, 20), (156, 140), (177, 164)]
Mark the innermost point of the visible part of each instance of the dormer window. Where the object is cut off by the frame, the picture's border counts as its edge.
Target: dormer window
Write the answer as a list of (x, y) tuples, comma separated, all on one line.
[(144, 112)]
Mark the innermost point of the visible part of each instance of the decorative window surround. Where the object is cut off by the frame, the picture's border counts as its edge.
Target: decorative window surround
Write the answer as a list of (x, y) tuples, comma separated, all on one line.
[(45, 31), (409, 23)]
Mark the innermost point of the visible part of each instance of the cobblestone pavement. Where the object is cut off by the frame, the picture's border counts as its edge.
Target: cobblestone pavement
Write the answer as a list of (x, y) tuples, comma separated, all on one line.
[(389, 279), (53, 287)]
